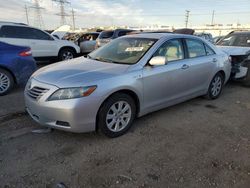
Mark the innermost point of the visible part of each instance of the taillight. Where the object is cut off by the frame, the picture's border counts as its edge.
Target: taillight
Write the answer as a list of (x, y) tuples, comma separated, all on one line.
[(26, 53)]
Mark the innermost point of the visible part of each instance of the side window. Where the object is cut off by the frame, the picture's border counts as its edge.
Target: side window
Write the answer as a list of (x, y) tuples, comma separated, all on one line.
[(195, 48), (23, 33), (15, 32), (209, 51), (172, 50), (39, 35)]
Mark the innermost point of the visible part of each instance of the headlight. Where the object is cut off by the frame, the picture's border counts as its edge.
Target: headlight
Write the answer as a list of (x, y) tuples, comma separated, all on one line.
[(71, 93)]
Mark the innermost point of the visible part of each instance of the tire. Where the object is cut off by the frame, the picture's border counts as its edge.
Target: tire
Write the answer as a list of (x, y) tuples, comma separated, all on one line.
[(215, 87), (66, 54), (6, 82), (111, 120)]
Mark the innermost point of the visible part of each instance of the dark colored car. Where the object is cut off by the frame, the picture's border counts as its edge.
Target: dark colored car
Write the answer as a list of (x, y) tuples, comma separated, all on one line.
[(106, 36), (16, 66)]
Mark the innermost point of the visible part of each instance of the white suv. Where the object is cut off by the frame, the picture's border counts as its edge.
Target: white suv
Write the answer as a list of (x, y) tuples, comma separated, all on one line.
[(43, 45)]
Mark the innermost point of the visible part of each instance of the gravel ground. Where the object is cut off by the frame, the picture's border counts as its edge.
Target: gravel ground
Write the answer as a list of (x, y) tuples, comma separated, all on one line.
[(198, 143)]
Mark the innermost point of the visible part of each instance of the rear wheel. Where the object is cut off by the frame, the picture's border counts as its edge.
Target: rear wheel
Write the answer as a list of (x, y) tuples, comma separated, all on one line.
[(215, 86), (66, 54), (6, 82), (116, 115)]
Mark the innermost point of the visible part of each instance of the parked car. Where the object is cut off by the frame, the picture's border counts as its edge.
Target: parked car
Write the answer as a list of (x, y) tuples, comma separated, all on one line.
[(86, 41), (218, 38), (43, 45), (206, 36), (127, 78), (16, 66), (237, 45), (106, 36)]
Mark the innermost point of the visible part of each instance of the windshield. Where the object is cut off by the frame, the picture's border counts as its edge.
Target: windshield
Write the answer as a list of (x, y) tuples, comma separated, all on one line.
[(235, 40), (123, 50)]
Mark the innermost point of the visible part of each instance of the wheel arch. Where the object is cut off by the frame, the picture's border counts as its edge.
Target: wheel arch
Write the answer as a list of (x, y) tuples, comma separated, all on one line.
[(8, 70), (222, 72), (129, 92)]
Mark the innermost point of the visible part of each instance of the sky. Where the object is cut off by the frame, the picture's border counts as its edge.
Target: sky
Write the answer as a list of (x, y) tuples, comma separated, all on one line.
[(92, 13)]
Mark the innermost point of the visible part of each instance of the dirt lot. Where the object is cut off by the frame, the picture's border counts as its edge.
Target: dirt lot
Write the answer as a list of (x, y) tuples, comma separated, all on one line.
[(198, 143)]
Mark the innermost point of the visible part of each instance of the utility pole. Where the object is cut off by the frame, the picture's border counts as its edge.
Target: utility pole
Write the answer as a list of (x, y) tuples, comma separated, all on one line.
[(187, 18), (38, 20), (62, 13), (212, 22), (26, 13), (73, 19)]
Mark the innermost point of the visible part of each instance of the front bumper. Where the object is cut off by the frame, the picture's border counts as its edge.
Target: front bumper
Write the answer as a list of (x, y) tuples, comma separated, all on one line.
[(73, 115)]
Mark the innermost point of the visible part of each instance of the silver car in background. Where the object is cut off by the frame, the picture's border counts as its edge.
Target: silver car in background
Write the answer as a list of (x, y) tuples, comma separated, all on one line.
[(127, 78), (107, 36)]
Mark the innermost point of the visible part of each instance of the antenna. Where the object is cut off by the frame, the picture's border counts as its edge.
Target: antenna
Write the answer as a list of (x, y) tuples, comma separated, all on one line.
[(38, 20), (187, 18), (62, 13)]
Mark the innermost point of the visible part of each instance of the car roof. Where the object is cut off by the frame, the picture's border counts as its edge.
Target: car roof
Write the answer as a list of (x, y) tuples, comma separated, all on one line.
[(12, 23), (241, 32), (159, 35)]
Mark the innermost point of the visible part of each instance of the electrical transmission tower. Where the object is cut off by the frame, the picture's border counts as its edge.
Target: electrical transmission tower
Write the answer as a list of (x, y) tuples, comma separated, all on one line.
[(38, 20), (62, 13), (187, 18)]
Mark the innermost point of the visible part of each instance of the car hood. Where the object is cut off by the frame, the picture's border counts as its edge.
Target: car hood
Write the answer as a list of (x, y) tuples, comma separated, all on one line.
[(235, 50), (78, 72)]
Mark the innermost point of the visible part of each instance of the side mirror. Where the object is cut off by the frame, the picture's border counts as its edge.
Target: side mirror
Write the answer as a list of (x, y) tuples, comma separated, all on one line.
[(157, 60)]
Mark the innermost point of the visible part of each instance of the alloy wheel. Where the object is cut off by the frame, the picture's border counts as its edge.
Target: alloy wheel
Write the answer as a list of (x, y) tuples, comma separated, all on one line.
[(4, 82), (216, 86), (118, 116), (67, 55)]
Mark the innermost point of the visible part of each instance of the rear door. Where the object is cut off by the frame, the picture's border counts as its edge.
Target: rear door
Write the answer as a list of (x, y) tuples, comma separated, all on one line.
[(201, 63)]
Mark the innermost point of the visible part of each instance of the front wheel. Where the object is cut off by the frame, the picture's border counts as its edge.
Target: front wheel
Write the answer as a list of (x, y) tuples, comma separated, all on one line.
[(215, 86), (116, 115), (66, 54), (6, 82)]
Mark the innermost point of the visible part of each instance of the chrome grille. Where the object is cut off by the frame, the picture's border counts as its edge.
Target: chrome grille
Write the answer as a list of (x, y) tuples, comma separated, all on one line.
[(36, 92)]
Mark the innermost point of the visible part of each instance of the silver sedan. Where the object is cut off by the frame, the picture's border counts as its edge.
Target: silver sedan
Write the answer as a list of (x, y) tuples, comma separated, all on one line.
[(127, 78)]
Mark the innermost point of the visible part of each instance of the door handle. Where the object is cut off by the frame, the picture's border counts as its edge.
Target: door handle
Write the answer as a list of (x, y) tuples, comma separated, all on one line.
[(214, 60), (185, 66)]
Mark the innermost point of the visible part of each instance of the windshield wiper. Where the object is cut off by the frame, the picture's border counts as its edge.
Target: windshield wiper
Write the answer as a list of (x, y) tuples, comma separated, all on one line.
[(104, 60)]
